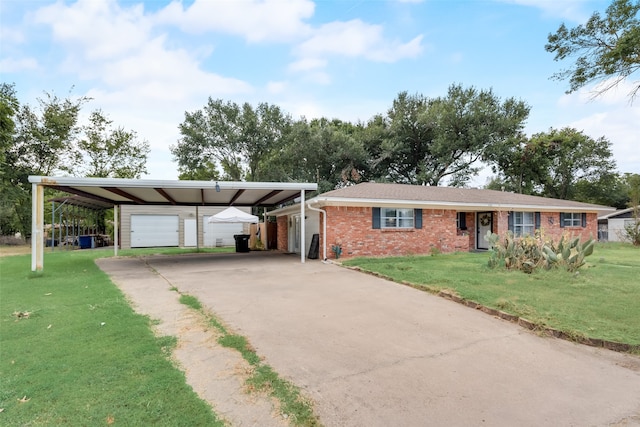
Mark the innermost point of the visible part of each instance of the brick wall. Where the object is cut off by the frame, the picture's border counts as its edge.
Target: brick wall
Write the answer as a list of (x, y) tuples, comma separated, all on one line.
[(550, 226), (352, 228), (283, 232)]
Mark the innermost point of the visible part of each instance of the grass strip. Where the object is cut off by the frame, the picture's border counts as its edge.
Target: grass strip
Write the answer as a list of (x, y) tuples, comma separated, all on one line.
[(263, 377), (190, 301), (601, 301), (73, 352)]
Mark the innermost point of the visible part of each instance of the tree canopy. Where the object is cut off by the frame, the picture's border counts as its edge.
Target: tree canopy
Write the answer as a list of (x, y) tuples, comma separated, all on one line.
[(425, 140), (606, 48), (110, 153), (563, 164), (233, 136), (48, 139), (419, 140)]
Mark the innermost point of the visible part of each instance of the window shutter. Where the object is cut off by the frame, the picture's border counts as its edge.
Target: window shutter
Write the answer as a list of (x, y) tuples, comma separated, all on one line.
[(537, 216), (584, 219), (510, 221), (417, 218), (463, 220), (376, 217), (561, 220)]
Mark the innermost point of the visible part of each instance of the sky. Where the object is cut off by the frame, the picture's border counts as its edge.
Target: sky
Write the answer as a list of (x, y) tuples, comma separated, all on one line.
[(146, 63)]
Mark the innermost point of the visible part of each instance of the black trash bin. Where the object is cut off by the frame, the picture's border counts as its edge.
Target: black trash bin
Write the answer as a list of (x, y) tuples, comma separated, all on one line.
[(242, 242)]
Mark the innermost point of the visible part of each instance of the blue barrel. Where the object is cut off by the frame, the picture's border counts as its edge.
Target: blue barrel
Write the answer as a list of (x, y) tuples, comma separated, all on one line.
[(85, 242)]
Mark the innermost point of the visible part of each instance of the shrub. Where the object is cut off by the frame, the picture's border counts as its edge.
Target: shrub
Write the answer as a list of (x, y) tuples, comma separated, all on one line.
[(632, 231), (12, 241), (529, 253)]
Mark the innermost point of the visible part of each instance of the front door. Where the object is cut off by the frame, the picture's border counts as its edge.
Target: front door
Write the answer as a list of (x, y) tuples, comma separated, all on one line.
[(484, 223), (190, 233)]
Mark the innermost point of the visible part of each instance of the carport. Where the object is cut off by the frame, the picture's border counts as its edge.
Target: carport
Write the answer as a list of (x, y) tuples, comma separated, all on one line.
[(116, 192)]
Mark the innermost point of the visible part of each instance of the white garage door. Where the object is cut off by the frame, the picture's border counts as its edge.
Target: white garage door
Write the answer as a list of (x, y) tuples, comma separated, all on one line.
[(149, 231), (219, 234)]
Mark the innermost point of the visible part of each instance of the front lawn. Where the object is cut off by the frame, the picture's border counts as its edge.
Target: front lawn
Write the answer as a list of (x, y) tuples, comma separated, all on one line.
[(73, 352), (601, 301)]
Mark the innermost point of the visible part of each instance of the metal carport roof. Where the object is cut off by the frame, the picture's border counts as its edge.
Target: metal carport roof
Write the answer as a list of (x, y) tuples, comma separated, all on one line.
[(116, 192)]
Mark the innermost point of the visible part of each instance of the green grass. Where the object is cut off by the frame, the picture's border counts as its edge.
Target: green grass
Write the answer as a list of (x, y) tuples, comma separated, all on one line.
[(75, 352), (263, 378), (189, 301), (602, 301)]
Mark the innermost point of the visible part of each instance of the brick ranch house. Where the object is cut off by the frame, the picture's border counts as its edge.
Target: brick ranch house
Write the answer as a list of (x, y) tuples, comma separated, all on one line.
[(375, 219)]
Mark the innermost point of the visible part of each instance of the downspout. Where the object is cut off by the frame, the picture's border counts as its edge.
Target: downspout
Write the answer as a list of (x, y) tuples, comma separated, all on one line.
[(324, 230)]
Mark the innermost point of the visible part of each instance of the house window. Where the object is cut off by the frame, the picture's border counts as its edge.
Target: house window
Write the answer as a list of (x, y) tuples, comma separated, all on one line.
[(523, 223), (461, 221), (396, 218), (573, 219)]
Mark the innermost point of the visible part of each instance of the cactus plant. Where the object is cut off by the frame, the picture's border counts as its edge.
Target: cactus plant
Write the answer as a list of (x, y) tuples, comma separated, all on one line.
[(529, 253)]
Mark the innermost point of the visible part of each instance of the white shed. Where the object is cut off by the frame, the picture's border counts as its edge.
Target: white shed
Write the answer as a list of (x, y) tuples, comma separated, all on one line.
[(611, 226)]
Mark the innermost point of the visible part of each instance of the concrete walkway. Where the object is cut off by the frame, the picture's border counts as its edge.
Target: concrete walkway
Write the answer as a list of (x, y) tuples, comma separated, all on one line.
[(217, 374), (369, 352)]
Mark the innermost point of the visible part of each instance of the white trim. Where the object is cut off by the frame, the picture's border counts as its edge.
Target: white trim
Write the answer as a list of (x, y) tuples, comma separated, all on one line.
[(153, 183), (616, 213), (417, 204), (303, 230), (116, 230), (37, 227)]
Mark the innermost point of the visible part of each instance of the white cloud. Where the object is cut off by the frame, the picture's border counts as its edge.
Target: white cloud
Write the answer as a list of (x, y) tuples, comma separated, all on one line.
[(357, 39), (254, 20), (116, 47), (276, 87), (307, 64), (610, 115), (14, 65), (141, 83), (621, 127), (11, 35), (102, 28)]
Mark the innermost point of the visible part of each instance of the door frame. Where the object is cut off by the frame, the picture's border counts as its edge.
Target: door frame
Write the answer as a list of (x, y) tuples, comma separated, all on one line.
[(479, 234)]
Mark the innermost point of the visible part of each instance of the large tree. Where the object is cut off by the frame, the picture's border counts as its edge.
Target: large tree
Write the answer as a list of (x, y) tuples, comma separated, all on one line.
[(572, 156), (425, 140), (106, 152), (520, 165), (42, 143), (9, 107), (237, 138), (325, 151), (609, 189), (45, 137), (563, 164), (606, 48)]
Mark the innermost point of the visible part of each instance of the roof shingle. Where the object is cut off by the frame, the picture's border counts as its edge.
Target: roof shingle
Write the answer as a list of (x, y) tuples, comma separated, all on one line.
[(451, 195)]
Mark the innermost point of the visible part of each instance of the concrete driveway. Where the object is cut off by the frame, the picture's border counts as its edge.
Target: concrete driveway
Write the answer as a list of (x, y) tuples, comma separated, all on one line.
[(370, 352)]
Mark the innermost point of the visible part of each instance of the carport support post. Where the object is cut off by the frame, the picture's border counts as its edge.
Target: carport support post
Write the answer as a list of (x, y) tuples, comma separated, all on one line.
[(116, 229), (37, 226), (303, 245)]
